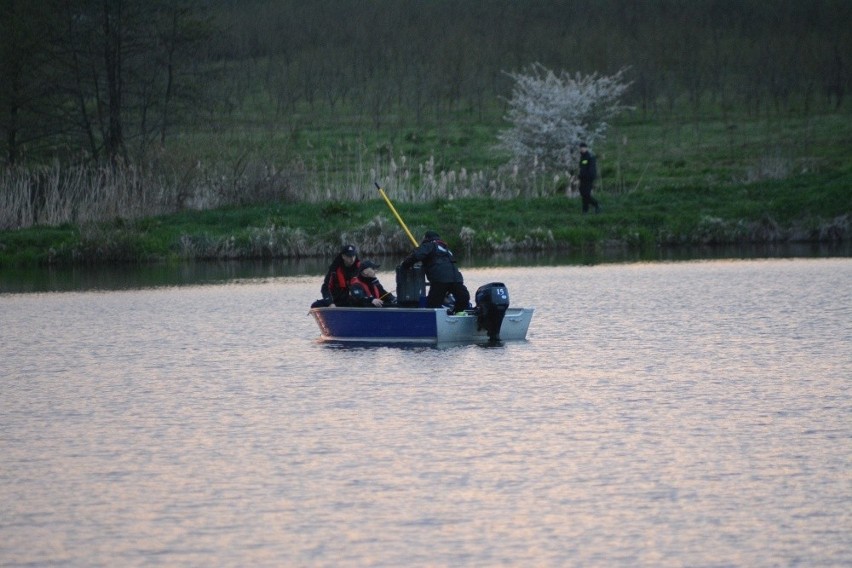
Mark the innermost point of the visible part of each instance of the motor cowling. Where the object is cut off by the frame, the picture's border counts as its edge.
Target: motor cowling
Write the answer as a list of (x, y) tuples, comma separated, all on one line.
[(492, 301)]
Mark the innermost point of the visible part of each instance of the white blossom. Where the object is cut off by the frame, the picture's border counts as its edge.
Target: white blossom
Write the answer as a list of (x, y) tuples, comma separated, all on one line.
[(551, 114)]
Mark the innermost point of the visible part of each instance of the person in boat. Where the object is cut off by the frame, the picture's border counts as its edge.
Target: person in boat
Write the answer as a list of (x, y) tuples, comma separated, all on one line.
[(335, 285), (365, 290), (440, 267)]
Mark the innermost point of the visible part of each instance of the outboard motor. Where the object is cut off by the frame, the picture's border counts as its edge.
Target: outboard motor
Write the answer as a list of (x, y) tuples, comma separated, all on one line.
[(410, 287), (492, 301)]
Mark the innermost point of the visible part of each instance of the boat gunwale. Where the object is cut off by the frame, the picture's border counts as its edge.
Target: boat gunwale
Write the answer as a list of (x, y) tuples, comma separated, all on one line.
[(514, 315)]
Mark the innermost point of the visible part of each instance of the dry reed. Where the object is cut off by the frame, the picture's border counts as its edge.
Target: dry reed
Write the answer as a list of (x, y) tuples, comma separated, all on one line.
[(57, 194)]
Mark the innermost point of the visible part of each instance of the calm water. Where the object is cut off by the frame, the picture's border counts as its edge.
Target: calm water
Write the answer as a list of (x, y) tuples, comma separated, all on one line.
[(660, 414)]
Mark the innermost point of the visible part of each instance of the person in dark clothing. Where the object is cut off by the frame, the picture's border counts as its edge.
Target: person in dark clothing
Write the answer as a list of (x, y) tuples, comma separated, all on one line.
[(587, 174), (335, 285), (365, 290), (440, 267)]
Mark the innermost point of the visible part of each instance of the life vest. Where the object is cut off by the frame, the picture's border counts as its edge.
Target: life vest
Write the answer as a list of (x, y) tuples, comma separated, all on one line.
[(369, 289), (339, 282)]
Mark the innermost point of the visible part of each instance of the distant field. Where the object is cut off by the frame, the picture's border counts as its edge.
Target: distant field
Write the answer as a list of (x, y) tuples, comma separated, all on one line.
[(640, 152)]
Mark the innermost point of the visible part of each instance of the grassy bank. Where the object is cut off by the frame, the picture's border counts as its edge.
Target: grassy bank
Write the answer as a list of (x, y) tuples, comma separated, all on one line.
[(664, 183), (812, 209)]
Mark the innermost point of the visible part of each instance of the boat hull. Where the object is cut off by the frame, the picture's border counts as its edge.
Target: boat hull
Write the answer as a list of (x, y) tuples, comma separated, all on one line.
[(414, 325)]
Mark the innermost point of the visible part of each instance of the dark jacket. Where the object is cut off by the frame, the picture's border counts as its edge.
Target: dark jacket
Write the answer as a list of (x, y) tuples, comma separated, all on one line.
[(438, 261), (363, 290), (335, 285), (588, 167)]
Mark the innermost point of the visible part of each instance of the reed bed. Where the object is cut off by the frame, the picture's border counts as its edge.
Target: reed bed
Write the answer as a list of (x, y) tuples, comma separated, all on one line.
[(352, 178), (58, 194)]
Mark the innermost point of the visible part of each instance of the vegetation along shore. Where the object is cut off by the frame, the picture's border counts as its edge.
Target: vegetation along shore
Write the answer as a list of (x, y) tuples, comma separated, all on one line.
[(226, 130), (712, 187), (812, 208)]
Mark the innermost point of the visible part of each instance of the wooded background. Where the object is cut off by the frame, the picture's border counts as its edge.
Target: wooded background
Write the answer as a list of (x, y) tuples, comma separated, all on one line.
[(92, 80)]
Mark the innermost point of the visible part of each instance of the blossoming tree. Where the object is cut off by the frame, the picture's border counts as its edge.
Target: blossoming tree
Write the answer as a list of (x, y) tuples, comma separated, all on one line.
[(552, 113)]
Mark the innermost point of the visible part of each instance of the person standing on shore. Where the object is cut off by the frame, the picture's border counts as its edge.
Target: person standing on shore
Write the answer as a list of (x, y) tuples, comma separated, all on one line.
[(587, 174)]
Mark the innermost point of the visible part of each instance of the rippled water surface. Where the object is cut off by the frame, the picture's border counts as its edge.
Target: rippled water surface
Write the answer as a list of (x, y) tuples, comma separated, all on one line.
[(668, 414)]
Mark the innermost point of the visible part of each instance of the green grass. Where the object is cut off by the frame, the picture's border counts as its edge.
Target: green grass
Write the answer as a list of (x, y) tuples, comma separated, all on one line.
[(637, 153), (663, 183), (669, 216)]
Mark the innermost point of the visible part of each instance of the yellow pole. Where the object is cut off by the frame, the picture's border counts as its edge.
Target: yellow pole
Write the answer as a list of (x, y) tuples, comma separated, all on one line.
[(398, 218)]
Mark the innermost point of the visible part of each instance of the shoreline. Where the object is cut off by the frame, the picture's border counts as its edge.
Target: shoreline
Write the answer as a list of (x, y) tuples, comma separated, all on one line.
[(522, 227), (67, 278)]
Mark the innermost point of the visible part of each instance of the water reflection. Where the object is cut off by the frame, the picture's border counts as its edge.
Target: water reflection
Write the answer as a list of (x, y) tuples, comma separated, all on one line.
[(661, 414), (414, 347), (134, 276)]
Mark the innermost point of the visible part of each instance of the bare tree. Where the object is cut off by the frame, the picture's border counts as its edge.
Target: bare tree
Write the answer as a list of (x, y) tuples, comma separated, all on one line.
[(89, 76), (97, 76), (28, 98)]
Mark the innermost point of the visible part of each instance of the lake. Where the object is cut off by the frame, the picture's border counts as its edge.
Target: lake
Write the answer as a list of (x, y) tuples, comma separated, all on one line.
[(659, 414)]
